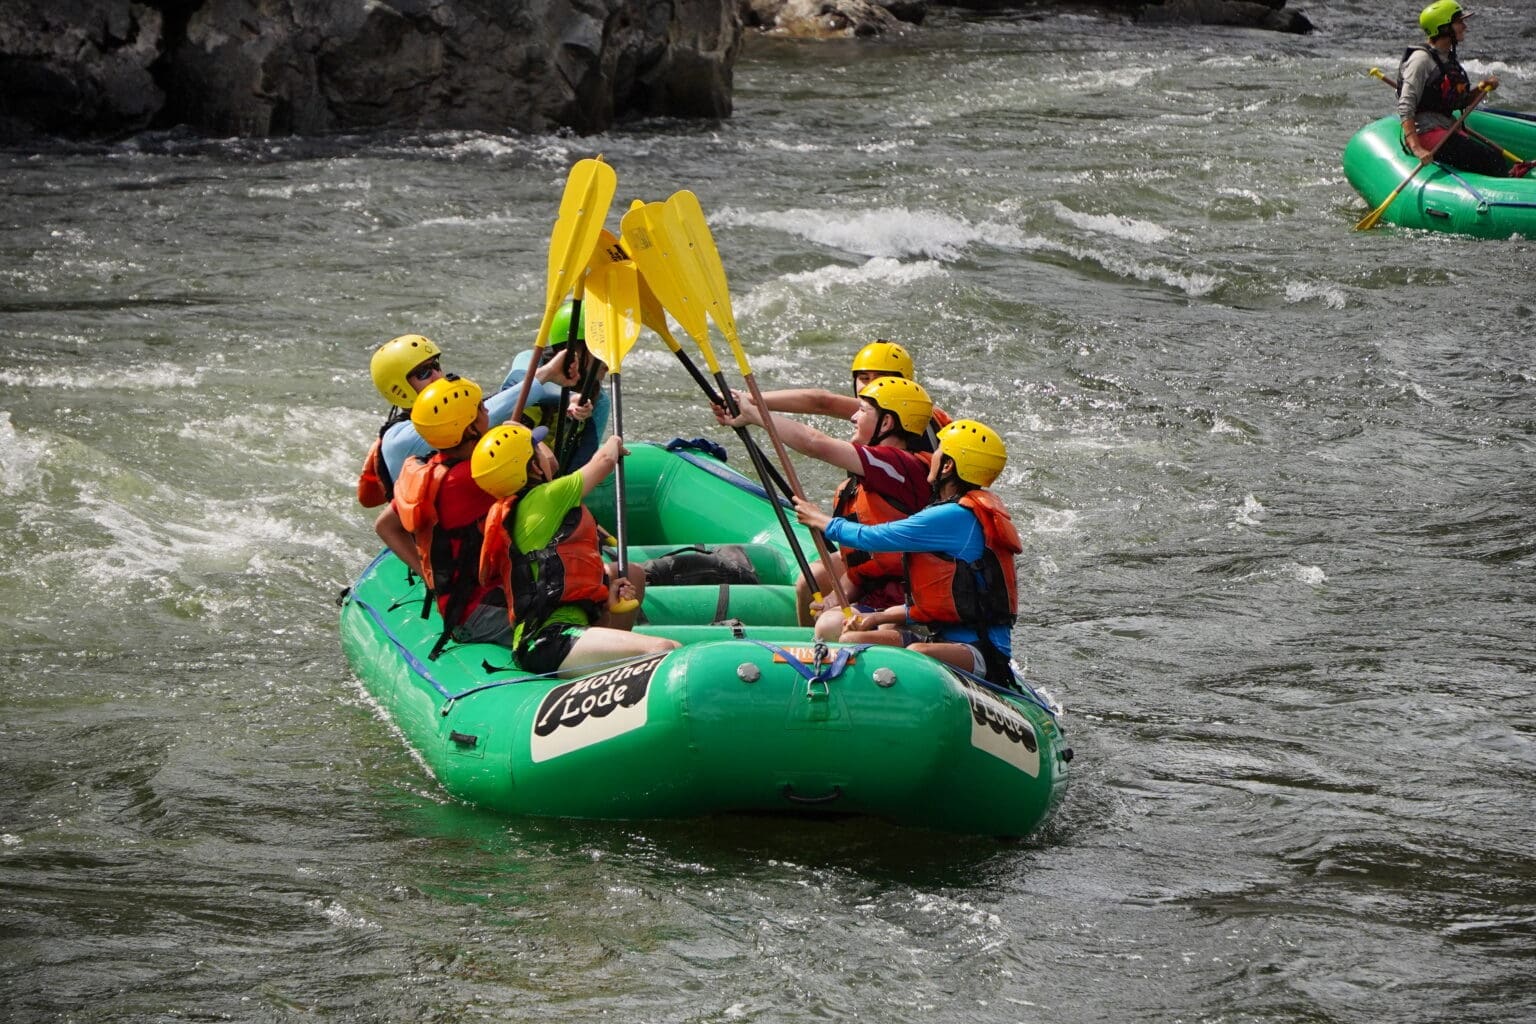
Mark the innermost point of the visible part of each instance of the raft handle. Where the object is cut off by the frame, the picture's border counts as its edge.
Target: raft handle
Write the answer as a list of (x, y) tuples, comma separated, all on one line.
[(464, 739), (789, 794)]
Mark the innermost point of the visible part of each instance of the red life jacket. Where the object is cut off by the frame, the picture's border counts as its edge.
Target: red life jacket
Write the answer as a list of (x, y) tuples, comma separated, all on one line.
[(942, 589), (869, 570), (1448, 90), (449, 557), (566, 571)]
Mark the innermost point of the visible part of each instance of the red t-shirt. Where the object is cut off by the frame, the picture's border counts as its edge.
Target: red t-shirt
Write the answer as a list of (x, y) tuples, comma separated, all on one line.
[(460, 501), (901, 477)]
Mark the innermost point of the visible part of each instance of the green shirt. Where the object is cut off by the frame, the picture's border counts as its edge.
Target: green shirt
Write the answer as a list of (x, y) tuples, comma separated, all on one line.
[(536, 519)]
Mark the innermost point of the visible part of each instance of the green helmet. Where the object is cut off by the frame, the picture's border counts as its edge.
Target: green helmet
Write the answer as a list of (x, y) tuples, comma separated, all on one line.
[(1437, 17), (902, 398), (560, 326)]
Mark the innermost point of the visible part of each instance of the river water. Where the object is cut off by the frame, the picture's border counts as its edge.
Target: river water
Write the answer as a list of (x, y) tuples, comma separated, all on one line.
[(1275, 477)]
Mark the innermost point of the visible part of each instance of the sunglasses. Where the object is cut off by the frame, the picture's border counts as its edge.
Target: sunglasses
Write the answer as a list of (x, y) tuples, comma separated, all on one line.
[(425, 370)]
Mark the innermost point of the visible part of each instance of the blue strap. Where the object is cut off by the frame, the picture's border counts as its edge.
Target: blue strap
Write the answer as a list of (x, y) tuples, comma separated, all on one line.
[(822, 671), (412, 662)]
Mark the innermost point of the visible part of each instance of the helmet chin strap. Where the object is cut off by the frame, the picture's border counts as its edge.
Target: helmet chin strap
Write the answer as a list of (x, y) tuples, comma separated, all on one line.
[(881, 435)]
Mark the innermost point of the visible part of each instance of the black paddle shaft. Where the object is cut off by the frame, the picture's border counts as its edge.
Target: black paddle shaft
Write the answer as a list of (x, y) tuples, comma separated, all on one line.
[(764, 471)]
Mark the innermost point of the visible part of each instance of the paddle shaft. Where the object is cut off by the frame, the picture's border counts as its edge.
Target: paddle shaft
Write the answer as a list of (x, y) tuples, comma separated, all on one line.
[(1385, 79), (570, 434), (833, 572), (742, 432), (765, 473), (1370, 219), (620, 529)]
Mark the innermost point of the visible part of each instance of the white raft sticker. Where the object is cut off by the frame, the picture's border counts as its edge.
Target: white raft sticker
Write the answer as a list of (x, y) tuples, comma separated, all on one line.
[(591, 710), (999, 729)]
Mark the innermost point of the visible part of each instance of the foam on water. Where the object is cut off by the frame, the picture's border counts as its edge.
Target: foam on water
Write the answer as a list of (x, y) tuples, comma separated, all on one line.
[(890, 231), (1115, 225), (21, 458)]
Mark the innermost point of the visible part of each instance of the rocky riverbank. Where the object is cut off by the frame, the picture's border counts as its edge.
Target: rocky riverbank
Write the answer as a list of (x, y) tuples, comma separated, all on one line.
[(88, 69)]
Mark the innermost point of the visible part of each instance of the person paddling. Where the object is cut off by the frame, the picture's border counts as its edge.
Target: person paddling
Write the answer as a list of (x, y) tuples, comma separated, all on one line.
[(887, 480), (565, 366), (959, 552), (1433, 87), (880, 358), (401, 368), (434, 522), (543, 547)]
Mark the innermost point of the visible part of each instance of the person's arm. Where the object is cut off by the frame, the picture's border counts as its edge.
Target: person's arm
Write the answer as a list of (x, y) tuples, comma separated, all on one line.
[(894, 615), (600, 465), (802, 438), (815, 401), (402, 441), (949, 528), (397, 538)]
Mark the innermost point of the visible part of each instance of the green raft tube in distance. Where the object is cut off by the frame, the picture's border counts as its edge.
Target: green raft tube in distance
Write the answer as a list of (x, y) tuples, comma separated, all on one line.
[(747, 716), (1443, 198)]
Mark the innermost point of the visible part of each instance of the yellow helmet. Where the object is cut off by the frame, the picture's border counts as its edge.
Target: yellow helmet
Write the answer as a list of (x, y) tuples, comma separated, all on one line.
[(500, 461), (978, 452), (445, 409), (902, 398), (394, 360), (881, 356)]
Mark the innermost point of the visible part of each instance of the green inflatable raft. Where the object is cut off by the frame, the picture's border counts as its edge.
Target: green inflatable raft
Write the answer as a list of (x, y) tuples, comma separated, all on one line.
[(749, 715), (1442, 198)]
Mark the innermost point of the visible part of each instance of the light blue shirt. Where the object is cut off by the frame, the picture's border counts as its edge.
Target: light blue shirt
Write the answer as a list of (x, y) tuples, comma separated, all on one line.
[(401, 441), (947, 529)]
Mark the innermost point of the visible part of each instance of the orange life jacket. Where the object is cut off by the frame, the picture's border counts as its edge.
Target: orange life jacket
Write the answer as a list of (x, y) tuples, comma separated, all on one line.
[(868, 570), (566, 571), (942, 589), (374, 486), (449, 557)]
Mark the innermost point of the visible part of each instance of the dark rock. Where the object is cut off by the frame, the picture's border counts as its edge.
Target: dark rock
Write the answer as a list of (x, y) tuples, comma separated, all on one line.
[(1265, 14), (78, 67), (83, 68)]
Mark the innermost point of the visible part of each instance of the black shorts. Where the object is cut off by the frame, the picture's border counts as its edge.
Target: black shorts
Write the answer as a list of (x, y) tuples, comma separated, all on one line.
[(545, 649)]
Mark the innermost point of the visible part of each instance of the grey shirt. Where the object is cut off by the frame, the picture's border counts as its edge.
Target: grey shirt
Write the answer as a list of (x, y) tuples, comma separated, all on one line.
[(1416, 74)]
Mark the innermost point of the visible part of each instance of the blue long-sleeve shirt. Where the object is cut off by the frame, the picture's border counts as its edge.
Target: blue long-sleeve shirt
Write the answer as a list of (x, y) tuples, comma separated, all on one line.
[(401, 441), (947, 529)]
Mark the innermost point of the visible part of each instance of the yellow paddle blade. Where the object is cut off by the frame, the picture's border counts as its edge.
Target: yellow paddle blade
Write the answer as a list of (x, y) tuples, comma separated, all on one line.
[(685, 222), (606, 251), (612, 312), (611, 250), (589, 192), (654, 316), (644, 238)]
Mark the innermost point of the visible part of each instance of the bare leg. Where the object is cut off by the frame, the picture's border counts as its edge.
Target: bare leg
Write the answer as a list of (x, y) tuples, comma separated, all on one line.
[(959, 655), (888, 637), (803, 613), (600, 644)]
